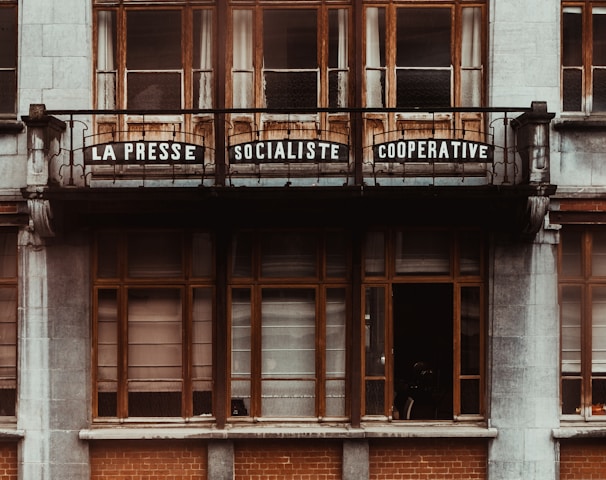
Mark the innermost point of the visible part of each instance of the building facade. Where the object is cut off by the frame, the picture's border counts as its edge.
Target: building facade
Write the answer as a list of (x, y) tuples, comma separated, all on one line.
[(339, 239)]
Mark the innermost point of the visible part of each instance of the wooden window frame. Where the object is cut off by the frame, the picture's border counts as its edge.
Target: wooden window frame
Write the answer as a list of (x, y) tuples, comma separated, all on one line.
[(9, 282), (186, 283), (321, 284), (391, 8), (387, 281), (585, 282), (12, 96), (587, 67)]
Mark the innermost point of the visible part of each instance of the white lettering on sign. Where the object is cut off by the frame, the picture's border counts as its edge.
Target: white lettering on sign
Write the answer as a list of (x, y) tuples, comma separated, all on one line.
[(144, 152), (432, 150), (288, 151)]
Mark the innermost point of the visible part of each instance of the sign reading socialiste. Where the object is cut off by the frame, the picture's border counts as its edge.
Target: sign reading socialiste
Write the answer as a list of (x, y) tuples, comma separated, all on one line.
[(287, 151), (433, 150), (144, 153)]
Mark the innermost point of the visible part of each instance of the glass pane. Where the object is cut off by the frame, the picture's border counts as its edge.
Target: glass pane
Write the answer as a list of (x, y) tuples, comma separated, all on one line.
[(154, 404), (203, 37), (598, 330), (471, 37), (572, 37), (470, 396), (422, 253), (470, 251), (570, 244), (291, 89), (8, 38), (335, 332), (156, 254), (153, 40), (242, 58), (337, 58), (375, 57), (288, 333), (202, 255), (106, 90), (423, 37), (572, 90), (598, 253), (599, 36), (154, 337), (289, 255), (374, 253), (598, 396), (154, 91), (423, 88), (107, 255), (240, 333), (570, 311), (8, 87), (375, 397), (571, 396), (203, 85), (470, 331), (335, 398), (242, 255), (374, 329), (471, 88), (8, 255), (202, 334), (290, 39), (336, 255), (290, 398), (107, 353), (240, 398), (599, 90)]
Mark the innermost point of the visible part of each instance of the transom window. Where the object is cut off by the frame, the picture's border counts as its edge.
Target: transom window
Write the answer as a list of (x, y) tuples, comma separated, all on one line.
[(582, 280), (584, 56), (435, 58), (156, 58), (289, 305), (8, 59), (153, 304)]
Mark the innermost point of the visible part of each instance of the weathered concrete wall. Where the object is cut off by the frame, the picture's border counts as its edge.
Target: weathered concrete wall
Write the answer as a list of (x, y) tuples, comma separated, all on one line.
[(523, 358)]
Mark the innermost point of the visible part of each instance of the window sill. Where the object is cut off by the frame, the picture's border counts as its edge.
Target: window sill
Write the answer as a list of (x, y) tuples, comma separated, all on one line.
[(291, 431), (10, 126), (579, 431), (592, 123)]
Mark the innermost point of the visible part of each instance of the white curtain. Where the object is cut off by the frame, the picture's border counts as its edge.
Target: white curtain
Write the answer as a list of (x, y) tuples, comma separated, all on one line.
[(205, 94), (242, 59), (374, 95), (342, 59), (471, 57), (106, 76)]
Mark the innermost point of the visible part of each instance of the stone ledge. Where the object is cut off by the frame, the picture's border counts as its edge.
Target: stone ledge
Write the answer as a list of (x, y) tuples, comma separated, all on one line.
[(10, 126), (579, 432), (11, 434), (286, 432)]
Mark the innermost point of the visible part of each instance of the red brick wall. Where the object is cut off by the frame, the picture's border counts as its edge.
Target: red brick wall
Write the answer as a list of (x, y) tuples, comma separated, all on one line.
[(583, 460), (8, 461), (425, 459), (288, 459), (149, 460)]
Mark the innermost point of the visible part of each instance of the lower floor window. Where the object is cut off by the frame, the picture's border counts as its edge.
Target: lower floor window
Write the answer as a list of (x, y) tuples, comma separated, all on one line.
[(582, 282)]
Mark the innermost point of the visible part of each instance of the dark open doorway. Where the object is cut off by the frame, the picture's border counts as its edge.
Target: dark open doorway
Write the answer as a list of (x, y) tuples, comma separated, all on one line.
[(423, 350)]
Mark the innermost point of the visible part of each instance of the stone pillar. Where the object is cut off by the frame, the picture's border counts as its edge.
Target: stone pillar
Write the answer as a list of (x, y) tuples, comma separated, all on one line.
[(54, 361), (523, 358), (220, 460), (355, 460)]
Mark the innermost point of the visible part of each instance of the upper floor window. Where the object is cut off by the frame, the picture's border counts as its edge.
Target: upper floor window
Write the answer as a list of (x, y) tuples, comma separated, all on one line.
[(295, 68), (8, 323), (435, 58), (582, 282), (584, 57), (157, 58), (8, 59)]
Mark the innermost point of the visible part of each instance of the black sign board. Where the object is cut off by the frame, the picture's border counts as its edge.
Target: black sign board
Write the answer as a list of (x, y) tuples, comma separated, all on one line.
[(433, 150), (288, 151), (144, 153)]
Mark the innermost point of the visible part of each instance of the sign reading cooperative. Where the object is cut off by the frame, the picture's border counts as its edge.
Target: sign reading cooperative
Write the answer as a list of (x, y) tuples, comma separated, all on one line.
[(434, 150), (144, 152), (285, 151)]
